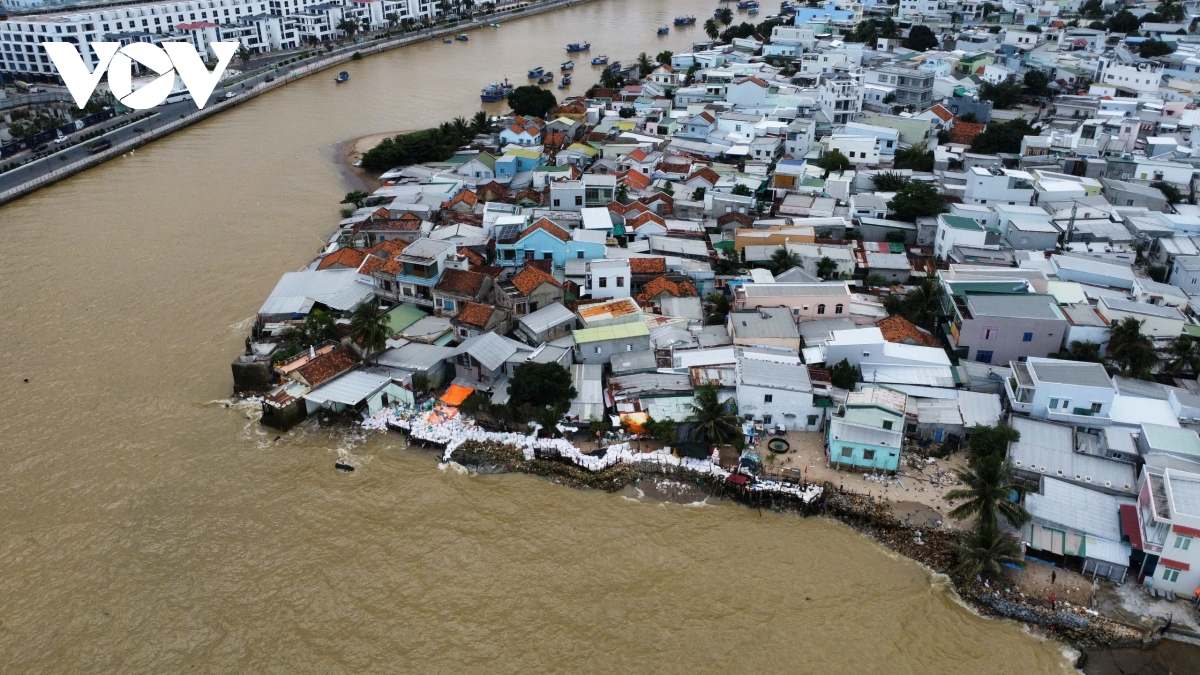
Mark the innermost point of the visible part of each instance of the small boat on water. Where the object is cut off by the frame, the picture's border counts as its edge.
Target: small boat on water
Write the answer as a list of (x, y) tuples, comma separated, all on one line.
[(599, 60), (546, 78), (579, 47), (342, 77), (536, 72), (663, 30), (614, 66), (448, 41), (752, 11), (494, 25), (567, 65), (747, 4), (685, 20), (496, 92), (566, 81), (344, 467), (461, 37)]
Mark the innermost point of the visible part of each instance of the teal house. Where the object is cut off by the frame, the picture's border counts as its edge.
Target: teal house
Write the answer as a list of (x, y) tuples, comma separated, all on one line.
[(868, 431), (544, 240)]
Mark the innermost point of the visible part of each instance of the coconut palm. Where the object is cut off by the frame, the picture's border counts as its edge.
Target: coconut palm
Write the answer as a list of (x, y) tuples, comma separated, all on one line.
[(462, 128), (481, 123), (1183, 356), (710, 28), (783, 260), (987, 490), (1131, 350), (726, 16), (1081, 350), (645, 64), (827, 268), (716, 420), (983, 550), (369, 327)]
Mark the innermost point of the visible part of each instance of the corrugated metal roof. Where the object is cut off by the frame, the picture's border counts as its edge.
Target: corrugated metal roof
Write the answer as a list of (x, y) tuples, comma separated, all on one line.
[(349, 389), (783, 376), (554, 314), (1077, 508), (764, 323), (1049, 449), (938, 411), (777, 289), (490, 349), (619, 331), (414, 356), (841, 430), (978, 408), (887, 373), (296, 292), (1070, 372), (589, 400), (1171, 439)]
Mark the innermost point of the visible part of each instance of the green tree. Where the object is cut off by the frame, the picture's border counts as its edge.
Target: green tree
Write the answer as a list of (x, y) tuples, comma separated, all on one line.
[(1005, 94), (611, 79), (917, 157), (392, 18), (865, 32), (895, 237), (827, 268), (728, 263), (1170, 11), (1081, 350), (1130, 350), (715, 421), (698, 194), (355, 197), (420, 384), (1152, 48), (922, 305), (369, 327), (531, 101), (664, 57), (986, 493), (983, 552), (782, 260), (888, 181), (348, 26), (1170, 192), (915, 200), (843, 375), (834, 160), (622, 193), (1036, 82), (244, 54), (741, 190), (718, 303), (710, 28), (318, 327), (598, 426), (921, 38), (645, 64), (726, 16), (1124, 22), (1092, 9), (1033, 28), (1005, 137), (1183, 356), (888, 29), (663, 431), (541, 385), (991, 442), (481, 123)]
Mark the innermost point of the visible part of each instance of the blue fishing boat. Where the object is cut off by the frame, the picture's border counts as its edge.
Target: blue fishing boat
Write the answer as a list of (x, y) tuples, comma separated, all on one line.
[(615, 66), (578, 47), (685, 21), (342, 77), (494, 25), (664, 30), (752, 11), (448, 41), (747, 4), (567, 65), (546, 78), (599, 60), (566, 81), (496, 92), (461, 37), (536, 73)]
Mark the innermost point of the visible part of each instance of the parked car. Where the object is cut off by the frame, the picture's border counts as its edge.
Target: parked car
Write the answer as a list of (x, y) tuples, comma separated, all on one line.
[(61, 140), (230, 94), (41, 148)]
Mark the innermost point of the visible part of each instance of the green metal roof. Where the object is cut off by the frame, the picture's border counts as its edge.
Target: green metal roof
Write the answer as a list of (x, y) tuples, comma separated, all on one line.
[(961, 222), (614, 332), (403, 316)]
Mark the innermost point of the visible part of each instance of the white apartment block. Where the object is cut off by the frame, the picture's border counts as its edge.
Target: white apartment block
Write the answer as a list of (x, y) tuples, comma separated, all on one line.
[(1143, 78), (915, 9)]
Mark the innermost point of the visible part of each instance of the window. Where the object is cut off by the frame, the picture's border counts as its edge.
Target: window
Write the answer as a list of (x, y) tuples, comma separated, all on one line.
[(597, 350), (820, 309), (620, 282), (449, 304), (603, 282), (846, 452), (1170, 574), (1028, 337), (1182, 542), (1097, 407), (990, 333), (578, 200), (579, 254), (1053, 403), (1066, 404), (868, 455), (556, 202), (771, 397), (887, 424), (766, 419), (838, 309), (983, 356), (628, 347)]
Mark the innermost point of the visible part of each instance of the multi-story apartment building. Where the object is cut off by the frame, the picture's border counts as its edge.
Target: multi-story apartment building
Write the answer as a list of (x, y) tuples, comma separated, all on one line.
[(912, 86), (1129, 78), (841, 94), (1163, 527)]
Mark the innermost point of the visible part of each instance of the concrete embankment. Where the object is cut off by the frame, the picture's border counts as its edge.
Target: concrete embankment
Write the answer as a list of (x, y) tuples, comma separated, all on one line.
[(313, 65)]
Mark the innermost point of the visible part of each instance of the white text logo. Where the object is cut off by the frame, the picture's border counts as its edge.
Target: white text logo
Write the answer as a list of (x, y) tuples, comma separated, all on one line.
[(178, 57)]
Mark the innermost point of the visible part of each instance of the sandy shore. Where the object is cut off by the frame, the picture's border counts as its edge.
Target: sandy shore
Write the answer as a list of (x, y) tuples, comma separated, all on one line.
[(352, 150)]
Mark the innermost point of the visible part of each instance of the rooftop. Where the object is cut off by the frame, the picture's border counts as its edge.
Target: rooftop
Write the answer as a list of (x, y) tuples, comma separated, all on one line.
[(617, 331), (1016, 306)]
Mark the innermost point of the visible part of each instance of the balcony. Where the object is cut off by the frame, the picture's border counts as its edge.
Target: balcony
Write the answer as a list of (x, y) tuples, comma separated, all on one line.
[(1080, 417), (1015, 395)]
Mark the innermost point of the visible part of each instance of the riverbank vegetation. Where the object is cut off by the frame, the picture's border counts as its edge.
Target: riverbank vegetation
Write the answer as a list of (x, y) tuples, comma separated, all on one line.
[(428, 145)]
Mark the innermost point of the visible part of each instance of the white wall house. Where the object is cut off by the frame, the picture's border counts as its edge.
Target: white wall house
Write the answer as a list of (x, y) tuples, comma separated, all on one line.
[(1169, 530), (607, 279), (1145, 77), (1061, 391), (998, 186), (958, 231), (859, 149), (777, 394)]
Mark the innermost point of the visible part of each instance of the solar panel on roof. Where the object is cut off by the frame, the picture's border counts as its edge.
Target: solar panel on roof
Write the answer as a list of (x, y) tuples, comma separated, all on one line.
[(507, 232)]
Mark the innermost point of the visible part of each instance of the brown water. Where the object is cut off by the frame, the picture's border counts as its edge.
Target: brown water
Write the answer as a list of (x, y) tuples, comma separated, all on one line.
[(146, 527)]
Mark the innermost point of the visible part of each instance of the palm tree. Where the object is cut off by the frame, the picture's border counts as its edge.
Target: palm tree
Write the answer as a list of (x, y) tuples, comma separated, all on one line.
[(1183, 356), (710, 27), (783, 260), (983, 550), (481, 123), (987, 489), (716, 421), (1081, 350), (726, 16), (1131, 350), (827, 268), (369, 327), (461, 126), (645, 64), (392, 18), (348, 26)]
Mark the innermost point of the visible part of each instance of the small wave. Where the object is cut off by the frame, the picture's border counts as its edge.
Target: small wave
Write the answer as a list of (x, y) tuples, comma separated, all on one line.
[(701, 502), (455, 467)]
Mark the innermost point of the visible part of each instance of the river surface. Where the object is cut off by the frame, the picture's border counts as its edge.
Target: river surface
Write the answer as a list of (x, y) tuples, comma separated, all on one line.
[(147, 526)]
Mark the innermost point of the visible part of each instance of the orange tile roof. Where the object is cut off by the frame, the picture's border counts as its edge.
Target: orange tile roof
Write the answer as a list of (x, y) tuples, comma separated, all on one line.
[(460, 281), (551, 228), (636, 156), (637, 179), (371, 264), (660, 285), (530, 278), (464, 196), (475, 314), (943, 114), (474, 257), (647, 265), (642, 219), (705, 173), (899, 329), (386, 248), (350, 257), (965, 132), (616, 207), (328, 366)]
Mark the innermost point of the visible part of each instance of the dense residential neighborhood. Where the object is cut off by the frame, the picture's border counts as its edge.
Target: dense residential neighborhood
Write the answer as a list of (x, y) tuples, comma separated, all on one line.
[(899, 233)]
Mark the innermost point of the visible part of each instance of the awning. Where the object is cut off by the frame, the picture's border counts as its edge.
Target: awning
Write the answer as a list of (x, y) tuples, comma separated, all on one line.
[(1130, 527), (1189, 531), (456, 394), (1175, 564)]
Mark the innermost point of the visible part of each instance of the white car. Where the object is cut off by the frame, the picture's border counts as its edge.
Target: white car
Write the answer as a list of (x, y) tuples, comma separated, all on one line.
[(62, 139)]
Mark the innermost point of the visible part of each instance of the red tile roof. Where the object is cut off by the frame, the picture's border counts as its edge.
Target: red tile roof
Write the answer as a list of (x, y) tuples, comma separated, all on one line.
[(328, 366), (637, 179), (706, 174), (530, 278), (460, 281), (475, 314), (349, 257), (901, 330), (941, 112), (656, 287), (636, 156), (475, 258), (551, 228), (643, 218), (616, 207), (464, 196), (647, 265), (371, 264), (965, 132)]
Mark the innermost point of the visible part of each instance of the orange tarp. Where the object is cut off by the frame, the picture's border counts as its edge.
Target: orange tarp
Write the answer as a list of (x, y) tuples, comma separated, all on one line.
[(456, 394), (635, 422)]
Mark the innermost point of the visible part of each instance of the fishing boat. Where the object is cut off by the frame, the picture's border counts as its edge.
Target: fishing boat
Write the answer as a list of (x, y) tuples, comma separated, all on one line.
[(461, 37), (536, 73), (566, 81), (578, 47), (494, 25), (663, 30), (614, 66), (496, 92), (599, 60), (447, 40), (342, 77), (747, 4), (685, 20), (567, 65), (546, 78), (752, 11)]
